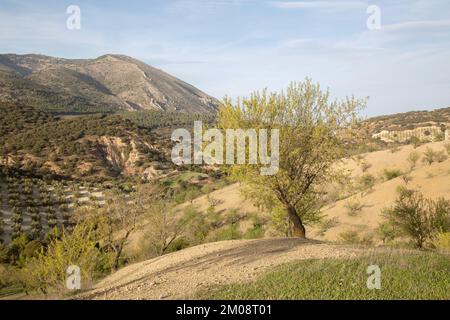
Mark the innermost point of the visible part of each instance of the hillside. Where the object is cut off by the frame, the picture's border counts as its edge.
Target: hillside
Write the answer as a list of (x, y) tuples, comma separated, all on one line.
[(95, 147), (389, 169), (90, 146), (410, 126), (234, 261), (432, 180), (277, 268), (106, 84)]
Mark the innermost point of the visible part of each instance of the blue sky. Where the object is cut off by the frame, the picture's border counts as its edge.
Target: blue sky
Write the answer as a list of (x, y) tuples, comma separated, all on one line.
[(232, 47)]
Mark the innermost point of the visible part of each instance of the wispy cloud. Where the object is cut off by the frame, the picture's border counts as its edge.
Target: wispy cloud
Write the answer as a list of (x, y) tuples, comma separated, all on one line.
[(317, 4), (418, 25)]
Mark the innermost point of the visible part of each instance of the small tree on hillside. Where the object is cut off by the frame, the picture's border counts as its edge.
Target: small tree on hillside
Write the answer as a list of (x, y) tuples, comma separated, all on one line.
[(120, 218), (314, 133)]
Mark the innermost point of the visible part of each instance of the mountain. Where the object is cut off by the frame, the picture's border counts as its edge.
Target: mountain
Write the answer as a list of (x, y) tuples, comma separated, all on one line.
[(108, 83)]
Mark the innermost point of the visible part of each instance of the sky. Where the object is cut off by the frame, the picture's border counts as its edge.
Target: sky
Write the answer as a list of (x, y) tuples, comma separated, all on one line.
[(234, 47)]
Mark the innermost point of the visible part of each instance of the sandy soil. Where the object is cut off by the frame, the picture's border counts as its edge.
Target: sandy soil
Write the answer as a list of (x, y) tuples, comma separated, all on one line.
[(433, 181), (181, 274)]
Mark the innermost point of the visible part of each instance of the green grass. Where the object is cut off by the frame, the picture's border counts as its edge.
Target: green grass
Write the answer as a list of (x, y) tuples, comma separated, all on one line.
[(403, 276)]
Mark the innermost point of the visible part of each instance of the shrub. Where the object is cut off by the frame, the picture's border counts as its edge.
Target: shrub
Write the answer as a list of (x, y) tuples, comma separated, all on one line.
[(353, 208), (387, 232), (416, 142), (390, 174), (352, 237), (429, 156), (367, 181), (442, 241), (413, 157), (417, 217), (48, 269), (365, 166)]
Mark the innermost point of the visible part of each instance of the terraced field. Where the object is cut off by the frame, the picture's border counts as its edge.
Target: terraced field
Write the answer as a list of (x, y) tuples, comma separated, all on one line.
[(35, 207)]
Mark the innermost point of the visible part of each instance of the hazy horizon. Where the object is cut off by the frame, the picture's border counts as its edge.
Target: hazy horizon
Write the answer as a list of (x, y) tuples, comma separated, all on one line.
[(233, 47)]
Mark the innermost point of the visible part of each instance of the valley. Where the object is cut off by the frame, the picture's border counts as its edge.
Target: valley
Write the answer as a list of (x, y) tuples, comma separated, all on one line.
[(88, 178)]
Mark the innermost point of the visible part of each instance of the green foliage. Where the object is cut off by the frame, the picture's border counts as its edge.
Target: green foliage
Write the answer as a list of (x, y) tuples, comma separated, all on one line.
[(48, 270), (163, 119), (314, 134), (416, 142), (418, 217), (429, 156), (257, 229), (387, 232), (390, 174), (367, 181), (72, 142), (413, 157), (346, 279), (353, 237)]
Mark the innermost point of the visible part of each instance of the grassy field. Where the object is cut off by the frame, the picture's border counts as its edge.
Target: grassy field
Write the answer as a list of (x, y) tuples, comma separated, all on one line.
[(403, 276)]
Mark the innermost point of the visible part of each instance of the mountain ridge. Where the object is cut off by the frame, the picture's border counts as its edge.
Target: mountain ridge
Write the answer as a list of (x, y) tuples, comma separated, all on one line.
[(108, 83)]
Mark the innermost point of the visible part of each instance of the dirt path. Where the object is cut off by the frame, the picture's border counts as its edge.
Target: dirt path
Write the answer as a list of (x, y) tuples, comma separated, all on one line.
[(181, 274)]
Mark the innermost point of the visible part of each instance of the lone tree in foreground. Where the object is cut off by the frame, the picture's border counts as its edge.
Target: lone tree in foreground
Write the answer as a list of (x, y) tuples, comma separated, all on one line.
[(314, 133)]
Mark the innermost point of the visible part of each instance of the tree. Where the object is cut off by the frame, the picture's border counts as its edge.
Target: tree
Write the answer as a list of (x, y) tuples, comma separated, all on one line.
[(418, 217), (164, 227), (314, 133), (120, 219)]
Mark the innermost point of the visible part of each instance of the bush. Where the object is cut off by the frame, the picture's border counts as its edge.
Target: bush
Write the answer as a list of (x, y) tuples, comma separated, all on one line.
[(387, 232), (48, 269), (442, 241), (429, 156), (367, 181), (413, 157), (390, 174), (417, 217), (353, 208), (352, 237)]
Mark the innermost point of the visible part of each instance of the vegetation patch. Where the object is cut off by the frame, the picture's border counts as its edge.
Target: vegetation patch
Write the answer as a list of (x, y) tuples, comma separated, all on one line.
[(403, 276)]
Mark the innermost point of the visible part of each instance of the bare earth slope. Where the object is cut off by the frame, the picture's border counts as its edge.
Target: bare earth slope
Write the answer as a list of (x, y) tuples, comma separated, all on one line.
[(181, 274), (107, 83)]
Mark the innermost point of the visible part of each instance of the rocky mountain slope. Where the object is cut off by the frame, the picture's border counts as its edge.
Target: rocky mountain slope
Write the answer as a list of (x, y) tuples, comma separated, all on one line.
[(106, 84)]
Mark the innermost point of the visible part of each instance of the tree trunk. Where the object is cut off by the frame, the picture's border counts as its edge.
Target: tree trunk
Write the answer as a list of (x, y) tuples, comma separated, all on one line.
[(298, 229), (115, 265)]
